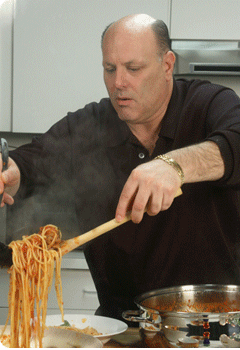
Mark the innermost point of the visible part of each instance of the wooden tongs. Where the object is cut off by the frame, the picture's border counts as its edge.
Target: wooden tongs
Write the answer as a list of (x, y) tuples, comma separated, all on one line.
[(71, 244)]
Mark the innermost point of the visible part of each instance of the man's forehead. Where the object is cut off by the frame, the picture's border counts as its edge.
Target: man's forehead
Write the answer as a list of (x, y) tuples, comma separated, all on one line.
[(126, 51), (129, 39)]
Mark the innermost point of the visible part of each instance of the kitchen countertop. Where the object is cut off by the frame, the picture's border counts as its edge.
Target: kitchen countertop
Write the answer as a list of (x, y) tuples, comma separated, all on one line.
[(131, 338)]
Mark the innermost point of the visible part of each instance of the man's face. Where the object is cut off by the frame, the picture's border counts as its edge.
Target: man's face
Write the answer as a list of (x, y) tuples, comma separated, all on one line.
[(136, 77)]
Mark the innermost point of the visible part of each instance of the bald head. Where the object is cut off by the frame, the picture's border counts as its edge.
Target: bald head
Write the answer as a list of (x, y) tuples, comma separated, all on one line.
[(135, 22), (140, 23)]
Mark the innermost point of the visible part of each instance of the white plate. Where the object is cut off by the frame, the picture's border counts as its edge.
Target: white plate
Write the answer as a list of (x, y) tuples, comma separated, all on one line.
[(105, 325)]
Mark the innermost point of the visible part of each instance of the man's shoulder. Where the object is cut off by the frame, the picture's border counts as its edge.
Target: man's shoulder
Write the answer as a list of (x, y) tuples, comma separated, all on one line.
[(96, 122), (199, 90), (192, 85), (94, 116), (100, 109)]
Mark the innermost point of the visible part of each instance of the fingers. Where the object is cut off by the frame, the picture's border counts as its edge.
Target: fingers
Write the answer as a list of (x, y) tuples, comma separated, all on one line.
[(152, 199), (7, 199), (9, 183), (159, 202), (126, 199), (135, 197), (150, 188)]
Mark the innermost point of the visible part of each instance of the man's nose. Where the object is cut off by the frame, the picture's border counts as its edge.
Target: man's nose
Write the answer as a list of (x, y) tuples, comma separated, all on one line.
[(120, 79)]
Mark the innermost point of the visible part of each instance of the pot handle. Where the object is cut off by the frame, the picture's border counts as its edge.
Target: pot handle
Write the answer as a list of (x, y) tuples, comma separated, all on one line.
[(136, 316), (133, 316)]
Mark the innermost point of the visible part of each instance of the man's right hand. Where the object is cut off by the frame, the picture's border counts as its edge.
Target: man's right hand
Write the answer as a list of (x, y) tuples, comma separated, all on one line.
[(9, 182)]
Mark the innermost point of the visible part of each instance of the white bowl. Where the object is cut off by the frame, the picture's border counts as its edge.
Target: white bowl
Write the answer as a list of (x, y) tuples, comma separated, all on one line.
[(64, 338), (105, 325)]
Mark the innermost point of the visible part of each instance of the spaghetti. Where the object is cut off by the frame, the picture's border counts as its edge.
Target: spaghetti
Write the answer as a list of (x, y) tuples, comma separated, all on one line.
[(34, 258)]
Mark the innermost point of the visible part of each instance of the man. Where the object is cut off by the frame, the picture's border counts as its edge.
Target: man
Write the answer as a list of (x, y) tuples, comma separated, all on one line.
[(133, 152)]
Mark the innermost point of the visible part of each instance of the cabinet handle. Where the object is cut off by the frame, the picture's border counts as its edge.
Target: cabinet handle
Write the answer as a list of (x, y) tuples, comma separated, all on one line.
[(89, 291)]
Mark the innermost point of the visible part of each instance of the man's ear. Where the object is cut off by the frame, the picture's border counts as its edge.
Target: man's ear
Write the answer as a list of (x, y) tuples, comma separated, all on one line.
[(169, 61)]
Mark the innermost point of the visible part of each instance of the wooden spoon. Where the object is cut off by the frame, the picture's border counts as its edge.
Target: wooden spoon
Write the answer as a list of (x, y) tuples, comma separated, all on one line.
[(73, 243)]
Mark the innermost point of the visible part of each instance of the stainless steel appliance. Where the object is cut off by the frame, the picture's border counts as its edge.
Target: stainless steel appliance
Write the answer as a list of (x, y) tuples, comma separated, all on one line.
[(207, 57)]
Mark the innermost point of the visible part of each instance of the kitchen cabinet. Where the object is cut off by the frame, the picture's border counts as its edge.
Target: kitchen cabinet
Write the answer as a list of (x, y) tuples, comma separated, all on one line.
[(79, 293), (205, 19), (57, 55), (6, 18)]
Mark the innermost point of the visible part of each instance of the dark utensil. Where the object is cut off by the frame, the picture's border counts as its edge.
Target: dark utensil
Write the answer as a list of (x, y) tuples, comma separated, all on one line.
[(5, 154), (5, 252)]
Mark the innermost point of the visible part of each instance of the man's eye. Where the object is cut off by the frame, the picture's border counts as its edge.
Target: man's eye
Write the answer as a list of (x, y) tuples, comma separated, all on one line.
[(133, 69), (110, 70)]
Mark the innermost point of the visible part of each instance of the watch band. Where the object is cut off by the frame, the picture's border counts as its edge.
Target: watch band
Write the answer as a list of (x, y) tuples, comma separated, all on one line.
[(174, 164)]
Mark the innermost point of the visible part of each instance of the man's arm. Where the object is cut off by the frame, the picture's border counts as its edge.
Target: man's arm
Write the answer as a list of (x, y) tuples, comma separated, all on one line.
[(153, 185), (202, 162)]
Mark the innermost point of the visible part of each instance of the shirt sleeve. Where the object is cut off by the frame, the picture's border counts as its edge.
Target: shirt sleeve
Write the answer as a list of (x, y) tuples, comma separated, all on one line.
[(224, 129), (41, 161)]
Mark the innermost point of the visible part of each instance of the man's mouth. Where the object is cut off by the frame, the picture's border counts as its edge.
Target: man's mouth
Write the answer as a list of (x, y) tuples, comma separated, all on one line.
[(123, 101), (123, 98)]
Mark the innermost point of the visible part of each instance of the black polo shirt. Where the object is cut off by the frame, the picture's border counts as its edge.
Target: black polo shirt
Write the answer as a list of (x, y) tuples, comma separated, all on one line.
[(83, 161)]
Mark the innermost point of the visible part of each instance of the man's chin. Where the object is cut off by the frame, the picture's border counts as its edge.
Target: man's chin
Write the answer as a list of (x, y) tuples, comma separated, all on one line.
[(126, 117), (126, 114)]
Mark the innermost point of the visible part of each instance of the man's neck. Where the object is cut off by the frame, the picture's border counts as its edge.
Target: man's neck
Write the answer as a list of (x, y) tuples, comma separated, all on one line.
[(147, 133)]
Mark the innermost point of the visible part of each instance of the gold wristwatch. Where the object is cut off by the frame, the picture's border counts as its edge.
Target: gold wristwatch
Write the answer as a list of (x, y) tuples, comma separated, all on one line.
[(174, 164)]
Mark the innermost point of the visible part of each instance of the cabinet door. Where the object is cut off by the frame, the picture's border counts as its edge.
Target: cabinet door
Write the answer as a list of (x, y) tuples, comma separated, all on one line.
[(78, 290), (205, 19), (79, 293), (6, 14), (57, 55)]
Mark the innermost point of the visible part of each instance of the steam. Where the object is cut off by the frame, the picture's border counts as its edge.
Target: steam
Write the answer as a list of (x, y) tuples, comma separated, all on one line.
[(79, 199)]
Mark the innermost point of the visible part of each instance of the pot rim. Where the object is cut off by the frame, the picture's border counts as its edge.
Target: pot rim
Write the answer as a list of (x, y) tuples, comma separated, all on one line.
[(188, 288)]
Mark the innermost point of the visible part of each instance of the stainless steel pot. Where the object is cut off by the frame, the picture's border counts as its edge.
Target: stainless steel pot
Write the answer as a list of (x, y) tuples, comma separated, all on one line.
[(184, 313)]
